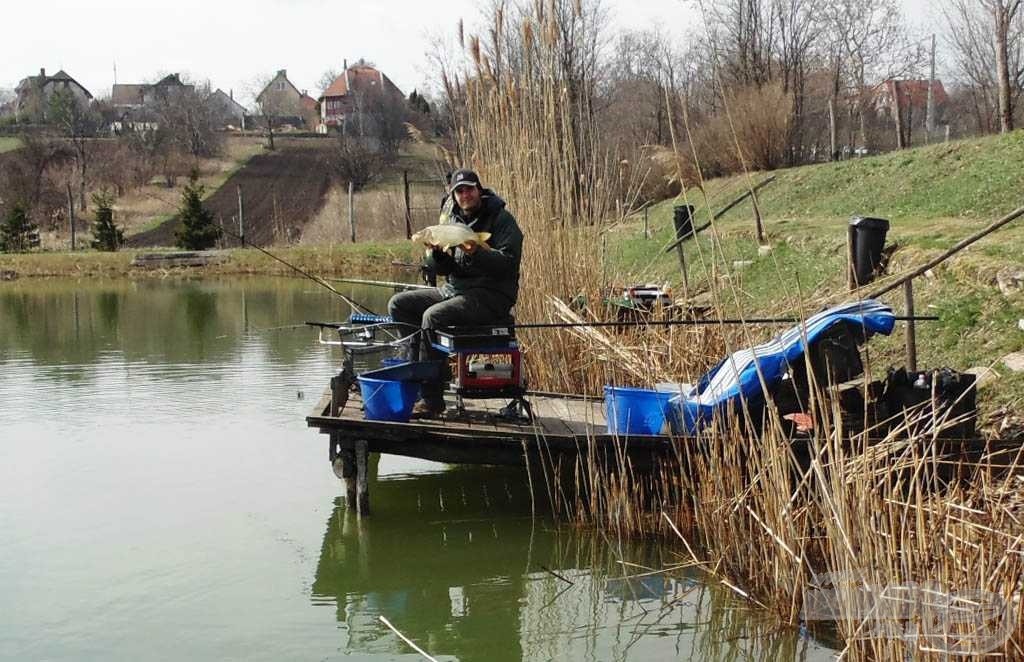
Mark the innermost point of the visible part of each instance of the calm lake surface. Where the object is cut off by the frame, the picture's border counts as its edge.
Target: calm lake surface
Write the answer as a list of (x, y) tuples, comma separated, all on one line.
[(161, 498)]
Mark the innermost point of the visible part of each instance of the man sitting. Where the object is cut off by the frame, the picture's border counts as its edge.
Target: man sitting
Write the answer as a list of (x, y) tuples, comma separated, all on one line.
[(482, 279)]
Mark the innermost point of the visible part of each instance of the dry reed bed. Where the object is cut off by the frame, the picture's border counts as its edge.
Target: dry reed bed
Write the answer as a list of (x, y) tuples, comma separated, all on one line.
[(879, 520)]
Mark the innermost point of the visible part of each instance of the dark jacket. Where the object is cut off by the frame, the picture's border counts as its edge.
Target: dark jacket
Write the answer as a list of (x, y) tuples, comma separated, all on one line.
[(495, 270)]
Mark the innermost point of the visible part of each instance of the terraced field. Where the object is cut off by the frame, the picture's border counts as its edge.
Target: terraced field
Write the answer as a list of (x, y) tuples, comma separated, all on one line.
[(281, 192)]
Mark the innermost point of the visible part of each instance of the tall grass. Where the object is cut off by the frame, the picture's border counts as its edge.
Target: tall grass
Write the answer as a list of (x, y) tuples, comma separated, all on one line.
[(524, 121), (767, 515)]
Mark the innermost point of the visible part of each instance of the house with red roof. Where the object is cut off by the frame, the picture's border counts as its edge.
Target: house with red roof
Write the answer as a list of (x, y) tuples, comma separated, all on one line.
[(912, 95), (342, 97)]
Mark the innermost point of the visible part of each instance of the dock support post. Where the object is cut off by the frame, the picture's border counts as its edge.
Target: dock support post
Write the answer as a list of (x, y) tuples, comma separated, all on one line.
[(343, 461), (362, 499)]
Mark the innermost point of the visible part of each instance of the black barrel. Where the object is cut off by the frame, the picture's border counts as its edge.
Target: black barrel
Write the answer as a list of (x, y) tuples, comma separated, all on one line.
[(682, 218), (868, 237)]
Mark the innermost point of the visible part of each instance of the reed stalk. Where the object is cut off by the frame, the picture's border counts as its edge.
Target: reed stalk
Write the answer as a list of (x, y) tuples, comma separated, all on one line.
[(765, 515)]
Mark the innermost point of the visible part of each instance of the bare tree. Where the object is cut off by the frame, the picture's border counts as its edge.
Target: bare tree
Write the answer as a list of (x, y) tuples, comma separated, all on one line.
[(985, 38), (78, 124), (870, 39), (800, 25), (25, 176), (1003, 13), (188, 121), (327, 78)]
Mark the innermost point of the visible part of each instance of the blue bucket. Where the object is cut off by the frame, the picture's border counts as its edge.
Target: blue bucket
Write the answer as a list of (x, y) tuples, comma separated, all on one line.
[(388, 399), (638, 411)]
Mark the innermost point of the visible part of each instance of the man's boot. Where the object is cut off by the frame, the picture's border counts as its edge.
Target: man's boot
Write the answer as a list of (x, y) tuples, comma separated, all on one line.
[(431, 404)]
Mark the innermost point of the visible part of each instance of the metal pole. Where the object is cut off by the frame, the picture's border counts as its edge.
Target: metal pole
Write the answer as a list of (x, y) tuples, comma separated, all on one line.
[(908, 294), (646, 233), (929, 120), (408, 208), (351, 212), (241, 223)]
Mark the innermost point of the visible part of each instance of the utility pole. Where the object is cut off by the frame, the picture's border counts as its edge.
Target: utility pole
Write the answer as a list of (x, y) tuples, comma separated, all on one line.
[(929, 120)]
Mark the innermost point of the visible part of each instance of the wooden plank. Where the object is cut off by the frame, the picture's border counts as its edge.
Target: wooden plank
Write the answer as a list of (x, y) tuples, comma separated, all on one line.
[(323, 403)]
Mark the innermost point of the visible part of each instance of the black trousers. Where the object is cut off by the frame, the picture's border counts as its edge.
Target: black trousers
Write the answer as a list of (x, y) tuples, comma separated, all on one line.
[(429, 310)]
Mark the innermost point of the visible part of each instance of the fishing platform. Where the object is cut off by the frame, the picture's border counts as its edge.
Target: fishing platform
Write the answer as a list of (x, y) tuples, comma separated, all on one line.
[(492, 419), (496, 421)]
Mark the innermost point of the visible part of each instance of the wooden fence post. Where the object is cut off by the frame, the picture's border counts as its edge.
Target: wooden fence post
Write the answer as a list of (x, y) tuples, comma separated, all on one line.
[(71, 215), (408, 206), (241, 221), (351, 212), (851, 263)]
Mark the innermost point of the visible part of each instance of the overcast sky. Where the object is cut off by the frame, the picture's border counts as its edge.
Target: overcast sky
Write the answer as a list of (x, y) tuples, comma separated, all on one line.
[(233, 43)]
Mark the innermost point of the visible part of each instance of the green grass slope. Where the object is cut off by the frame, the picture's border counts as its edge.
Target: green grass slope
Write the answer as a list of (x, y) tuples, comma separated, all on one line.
[(933, 196)]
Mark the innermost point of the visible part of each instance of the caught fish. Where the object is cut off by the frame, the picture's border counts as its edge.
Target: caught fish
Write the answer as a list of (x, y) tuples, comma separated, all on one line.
[(450, 234)]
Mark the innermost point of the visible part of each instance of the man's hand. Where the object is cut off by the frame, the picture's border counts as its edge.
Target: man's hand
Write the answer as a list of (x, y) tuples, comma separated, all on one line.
[(471, 247)]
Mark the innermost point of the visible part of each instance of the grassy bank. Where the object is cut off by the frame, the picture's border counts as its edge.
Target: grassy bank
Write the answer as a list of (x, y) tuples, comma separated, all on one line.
[(344, 260), (7, 144), (933, 196)]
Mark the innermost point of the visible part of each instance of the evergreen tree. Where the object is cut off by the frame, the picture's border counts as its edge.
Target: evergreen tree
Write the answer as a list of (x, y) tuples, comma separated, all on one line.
[(418, 103), (198, 231), (16, 231), (105, 235)]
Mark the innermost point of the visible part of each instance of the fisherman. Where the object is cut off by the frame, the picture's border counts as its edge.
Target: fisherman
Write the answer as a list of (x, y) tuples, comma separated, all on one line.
[(482, 278)]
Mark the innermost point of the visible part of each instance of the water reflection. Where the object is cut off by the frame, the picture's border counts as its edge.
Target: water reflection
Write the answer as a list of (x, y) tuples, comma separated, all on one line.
[(71, 322), (157, 477), (457, 564)]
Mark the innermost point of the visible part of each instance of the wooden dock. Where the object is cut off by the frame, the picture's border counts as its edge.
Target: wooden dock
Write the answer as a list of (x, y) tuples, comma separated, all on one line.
[(564, 428)]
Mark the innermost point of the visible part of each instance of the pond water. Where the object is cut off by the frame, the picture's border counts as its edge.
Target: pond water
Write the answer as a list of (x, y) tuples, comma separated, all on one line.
[(162, 498)]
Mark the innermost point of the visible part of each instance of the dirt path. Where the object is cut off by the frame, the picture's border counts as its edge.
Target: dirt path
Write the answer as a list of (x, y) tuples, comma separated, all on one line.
[(281, 192)]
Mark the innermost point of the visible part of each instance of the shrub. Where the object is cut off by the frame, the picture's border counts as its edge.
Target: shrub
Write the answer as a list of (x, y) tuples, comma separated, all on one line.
[(106, 235), (198, 231), (17, 232), (761, 118)]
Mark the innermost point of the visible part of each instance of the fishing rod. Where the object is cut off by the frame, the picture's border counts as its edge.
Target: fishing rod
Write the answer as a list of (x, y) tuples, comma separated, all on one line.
[(315, 279), (381, 283), (708, 322)]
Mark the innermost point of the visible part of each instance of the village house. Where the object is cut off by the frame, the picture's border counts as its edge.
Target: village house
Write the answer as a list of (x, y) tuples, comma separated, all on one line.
[(228, 112), (33, 94), (341, 98), (912, 96), (133, 103), (286, 104), (128, 96)]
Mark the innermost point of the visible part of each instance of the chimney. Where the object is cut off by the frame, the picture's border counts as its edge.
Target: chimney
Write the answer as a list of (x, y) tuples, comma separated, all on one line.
[(231, 93), (283, 73), (344, 67), (42, 72)]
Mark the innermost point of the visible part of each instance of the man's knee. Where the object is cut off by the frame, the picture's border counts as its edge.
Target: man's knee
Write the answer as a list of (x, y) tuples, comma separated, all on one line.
[(433, 317), (395, 309), (408, 306)]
